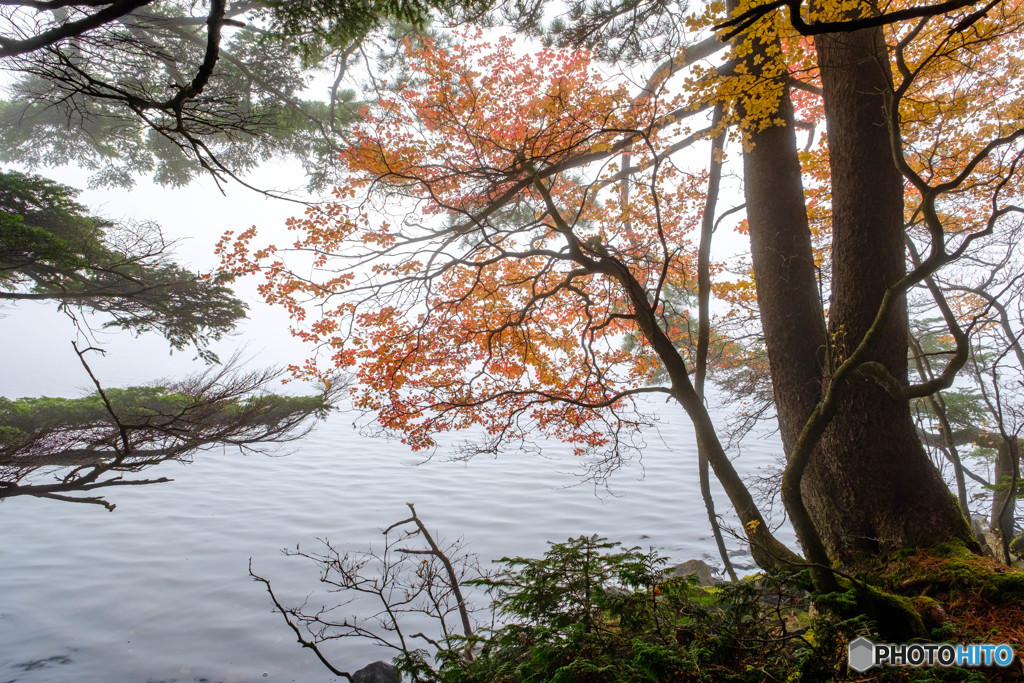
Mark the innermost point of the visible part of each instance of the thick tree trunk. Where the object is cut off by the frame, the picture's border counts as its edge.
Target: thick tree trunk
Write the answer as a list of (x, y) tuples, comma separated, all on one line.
[(783, 261), (870, 486), (784, 272)]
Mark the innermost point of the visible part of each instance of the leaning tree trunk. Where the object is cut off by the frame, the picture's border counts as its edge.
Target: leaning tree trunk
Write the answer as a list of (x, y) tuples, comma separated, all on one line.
[(870, 486)]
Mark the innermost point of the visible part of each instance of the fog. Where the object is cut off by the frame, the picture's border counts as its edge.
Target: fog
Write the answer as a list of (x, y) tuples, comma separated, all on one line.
[(36, 346)]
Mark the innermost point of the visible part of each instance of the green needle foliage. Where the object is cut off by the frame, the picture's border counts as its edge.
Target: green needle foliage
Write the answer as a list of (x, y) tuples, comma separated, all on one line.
[(174, 89), (52, 249), (317, 28), (592, 610)]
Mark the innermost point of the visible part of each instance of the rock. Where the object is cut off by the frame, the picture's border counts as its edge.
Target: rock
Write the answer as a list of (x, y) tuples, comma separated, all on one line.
[(377, 672), (978, 526), (991, 545), (698, 568), (931, 611)]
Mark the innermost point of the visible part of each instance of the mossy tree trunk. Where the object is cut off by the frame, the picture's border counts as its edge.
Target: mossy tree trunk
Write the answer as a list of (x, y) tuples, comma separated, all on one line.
[(871, 487), (1004, 498)]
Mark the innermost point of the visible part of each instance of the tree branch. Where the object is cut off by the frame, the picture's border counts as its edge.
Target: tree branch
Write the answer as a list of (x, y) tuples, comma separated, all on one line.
[(745, 20), (114, 10)]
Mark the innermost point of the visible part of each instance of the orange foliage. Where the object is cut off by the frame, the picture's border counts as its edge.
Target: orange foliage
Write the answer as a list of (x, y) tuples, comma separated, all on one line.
[(480, 304), (477, 266)]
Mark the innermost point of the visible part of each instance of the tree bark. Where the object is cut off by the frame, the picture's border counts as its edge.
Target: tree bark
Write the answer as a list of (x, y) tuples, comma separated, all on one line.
[(784, 272), (783, 260), (1006, 478), (870, 487)]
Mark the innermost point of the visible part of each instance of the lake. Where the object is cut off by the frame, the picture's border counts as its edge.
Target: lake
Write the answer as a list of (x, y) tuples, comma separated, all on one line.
[(158, 590)]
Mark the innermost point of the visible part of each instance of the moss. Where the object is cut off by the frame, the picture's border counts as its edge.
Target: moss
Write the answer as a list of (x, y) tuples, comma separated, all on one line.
[(896, 617), (952, 570), (1017, 545), (932, 612), (961, 595), (1007, 587)]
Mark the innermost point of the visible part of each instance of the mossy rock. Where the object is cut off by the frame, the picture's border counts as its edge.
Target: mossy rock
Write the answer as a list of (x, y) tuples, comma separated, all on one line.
[(1017, 545), (932, 612), (1007, 587), (895, 615), (1017, 552)]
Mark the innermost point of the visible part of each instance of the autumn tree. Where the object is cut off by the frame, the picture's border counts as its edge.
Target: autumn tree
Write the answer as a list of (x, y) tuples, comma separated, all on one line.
[(534, 293), (868, 485), (508, 222)]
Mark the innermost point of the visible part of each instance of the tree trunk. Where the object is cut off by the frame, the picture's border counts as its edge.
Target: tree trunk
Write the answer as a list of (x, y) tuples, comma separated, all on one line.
[(870, 487), (784, 272), (1004, 496), (782, 256)]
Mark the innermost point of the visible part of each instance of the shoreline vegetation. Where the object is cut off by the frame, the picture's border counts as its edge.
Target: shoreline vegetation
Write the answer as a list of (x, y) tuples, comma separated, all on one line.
[(590, 609)]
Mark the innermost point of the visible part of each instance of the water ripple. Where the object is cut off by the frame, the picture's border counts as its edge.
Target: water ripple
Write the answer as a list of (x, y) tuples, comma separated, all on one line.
[(158, 590)]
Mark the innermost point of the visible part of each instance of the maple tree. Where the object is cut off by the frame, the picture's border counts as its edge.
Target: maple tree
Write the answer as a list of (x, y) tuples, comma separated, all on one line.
[(505, 250)]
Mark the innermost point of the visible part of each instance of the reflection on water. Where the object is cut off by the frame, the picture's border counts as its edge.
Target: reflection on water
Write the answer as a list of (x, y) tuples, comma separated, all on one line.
[(35, 664), (159, 590)]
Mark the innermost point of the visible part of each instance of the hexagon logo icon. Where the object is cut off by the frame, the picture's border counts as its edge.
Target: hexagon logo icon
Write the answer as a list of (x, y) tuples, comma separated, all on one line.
[(861, 654)]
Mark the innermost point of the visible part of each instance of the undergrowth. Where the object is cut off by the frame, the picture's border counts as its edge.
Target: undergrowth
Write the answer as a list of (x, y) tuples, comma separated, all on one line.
[(591, 610)]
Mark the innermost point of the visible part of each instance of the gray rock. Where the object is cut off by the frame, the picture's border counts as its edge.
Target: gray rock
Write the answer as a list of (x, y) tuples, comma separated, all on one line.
[(978, 525), (377, 672), (698, 568), (991, 545)]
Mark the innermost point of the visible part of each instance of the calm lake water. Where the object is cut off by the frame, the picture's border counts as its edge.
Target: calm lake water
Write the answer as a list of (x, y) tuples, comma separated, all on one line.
[(158, 590)]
